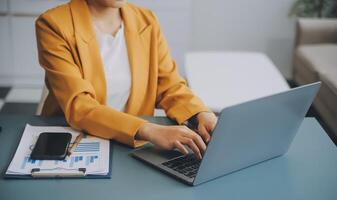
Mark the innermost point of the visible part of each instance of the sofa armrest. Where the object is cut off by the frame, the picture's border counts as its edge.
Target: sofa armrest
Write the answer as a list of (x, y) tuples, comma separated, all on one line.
[(313, 31)]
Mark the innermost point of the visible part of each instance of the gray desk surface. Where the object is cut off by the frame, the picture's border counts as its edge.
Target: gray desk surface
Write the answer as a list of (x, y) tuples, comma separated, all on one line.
[(307, 171)]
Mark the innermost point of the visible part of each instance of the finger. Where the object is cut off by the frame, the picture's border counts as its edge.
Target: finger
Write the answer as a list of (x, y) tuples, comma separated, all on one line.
[(204, 133), (197, 140), (211, 126), (190, 143), (181, 147)]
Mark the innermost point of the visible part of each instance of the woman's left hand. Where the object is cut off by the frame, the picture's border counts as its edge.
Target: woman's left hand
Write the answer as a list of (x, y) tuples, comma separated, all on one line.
[(206, 124)]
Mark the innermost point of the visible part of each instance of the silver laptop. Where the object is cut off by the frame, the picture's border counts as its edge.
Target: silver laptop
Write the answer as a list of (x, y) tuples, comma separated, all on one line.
[(246, 134)]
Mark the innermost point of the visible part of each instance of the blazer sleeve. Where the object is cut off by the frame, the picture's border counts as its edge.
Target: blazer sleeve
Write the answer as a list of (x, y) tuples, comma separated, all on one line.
[(75, 95), (173, 94)]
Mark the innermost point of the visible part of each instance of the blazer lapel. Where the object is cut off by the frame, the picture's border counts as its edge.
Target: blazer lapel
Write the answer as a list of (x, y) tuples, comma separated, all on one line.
[(137, 34), (88, 49)]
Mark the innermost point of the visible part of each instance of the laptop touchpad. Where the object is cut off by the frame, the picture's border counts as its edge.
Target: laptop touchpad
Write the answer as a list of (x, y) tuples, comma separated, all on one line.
[(155, 155)]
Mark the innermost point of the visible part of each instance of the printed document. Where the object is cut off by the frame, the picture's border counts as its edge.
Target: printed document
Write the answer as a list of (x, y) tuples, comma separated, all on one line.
[(91, 153)]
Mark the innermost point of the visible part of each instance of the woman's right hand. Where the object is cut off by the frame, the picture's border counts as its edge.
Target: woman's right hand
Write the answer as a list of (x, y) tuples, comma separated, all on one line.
[(172, 137)]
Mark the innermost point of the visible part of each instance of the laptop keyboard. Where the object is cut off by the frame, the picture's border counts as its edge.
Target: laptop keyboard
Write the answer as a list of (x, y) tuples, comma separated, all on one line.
[(187, 165)]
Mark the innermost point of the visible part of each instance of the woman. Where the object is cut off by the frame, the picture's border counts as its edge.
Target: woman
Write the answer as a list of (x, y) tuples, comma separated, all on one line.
[(106, 62)]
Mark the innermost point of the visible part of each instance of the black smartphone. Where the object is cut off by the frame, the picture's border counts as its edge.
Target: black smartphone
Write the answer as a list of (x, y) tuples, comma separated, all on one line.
[(51, 146)]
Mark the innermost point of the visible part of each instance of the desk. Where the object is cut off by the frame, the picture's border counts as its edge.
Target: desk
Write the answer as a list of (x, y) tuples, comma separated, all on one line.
[(307, 171)]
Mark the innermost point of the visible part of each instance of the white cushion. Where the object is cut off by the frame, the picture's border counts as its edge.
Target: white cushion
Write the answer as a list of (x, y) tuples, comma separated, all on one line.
[(319, 58), (222, 79)]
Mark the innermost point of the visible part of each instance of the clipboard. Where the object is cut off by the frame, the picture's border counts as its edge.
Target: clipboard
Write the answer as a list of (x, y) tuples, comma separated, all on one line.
[(75, 174)]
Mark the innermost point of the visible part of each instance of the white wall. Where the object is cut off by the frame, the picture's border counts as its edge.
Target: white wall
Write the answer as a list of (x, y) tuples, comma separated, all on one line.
[(254, 25), (18, 53)]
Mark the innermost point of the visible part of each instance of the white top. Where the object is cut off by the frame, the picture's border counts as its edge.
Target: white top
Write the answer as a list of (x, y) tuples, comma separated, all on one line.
[(116, 67)]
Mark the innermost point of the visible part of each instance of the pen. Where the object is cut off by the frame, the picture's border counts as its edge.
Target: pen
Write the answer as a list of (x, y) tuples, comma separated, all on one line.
[(76, 142)]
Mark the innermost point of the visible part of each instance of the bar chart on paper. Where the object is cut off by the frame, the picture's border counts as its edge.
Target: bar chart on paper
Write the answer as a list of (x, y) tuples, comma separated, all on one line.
[(78, 160), (87, 147), (28, 161)]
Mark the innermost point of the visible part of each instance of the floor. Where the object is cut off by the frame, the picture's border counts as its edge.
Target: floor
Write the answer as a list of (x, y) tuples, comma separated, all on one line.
[(25, 101), (19, 100)]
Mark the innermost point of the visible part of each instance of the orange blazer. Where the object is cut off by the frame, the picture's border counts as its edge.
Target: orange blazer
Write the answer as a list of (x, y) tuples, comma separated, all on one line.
[(69, 53)]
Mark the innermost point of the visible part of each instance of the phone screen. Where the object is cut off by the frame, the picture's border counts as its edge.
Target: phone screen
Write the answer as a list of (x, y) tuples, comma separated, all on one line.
[(51, 146)]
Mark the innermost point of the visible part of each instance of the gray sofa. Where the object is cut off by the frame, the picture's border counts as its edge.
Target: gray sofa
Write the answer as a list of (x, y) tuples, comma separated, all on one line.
[(315, 59)]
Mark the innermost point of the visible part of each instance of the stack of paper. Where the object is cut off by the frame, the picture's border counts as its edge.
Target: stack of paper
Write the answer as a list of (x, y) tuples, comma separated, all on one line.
[(92, 153)]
